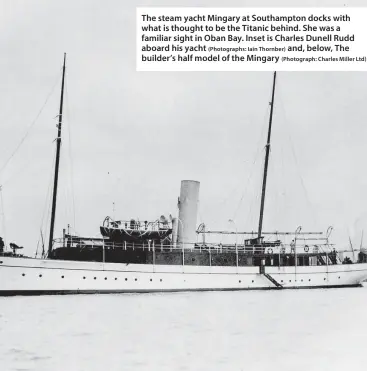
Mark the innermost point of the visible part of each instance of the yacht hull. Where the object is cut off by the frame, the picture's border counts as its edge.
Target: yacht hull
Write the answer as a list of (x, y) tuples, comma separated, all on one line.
[(27, 276)]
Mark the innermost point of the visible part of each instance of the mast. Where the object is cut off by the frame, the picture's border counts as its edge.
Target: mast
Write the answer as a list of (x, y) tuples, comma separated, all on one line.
[(267, 152), (57, 162)]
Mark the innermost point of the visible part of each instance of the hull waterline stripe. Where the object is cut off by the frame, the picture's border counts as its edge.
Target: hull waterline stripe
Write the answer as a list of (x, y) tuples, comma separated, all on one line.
[(73, 292)]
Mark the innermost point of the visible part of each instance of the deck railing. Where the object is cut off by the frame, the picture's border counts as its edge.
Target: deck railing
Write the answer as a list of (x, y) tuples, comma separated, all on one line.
[(266, 248), (216, 254)]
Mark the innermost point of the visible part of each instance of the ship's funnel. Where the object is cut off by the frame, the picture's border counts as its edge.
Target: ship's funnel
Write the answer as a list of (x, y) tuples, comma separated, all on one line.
[(188, 208)]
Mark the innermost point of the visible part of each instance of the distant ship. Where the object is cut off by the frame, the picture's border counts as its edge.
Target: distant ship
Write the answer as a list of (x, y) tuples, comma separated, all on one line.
[(167, 254)]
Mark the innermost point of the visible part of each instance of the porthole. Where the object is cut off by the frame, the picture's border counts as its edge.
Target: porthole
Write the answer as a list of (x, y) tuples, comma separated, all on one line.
[(160, 280), (105, 278), (324, 279), (309, 280), (151, 280), (339, 277), (290, 280), (95, 278), (1, 262), (136, 279), (252, 281), (193, 259), (40, 275), (239, 281), (125, 279), (83, 278), (280, 281), (62, 276), (115, 278), (23, 274), (301, 280)]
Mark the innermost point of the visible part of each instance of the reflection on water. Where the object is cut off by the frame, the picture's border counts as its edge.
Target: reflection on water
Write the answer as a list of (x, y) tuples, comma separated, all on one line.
[(242, 330)]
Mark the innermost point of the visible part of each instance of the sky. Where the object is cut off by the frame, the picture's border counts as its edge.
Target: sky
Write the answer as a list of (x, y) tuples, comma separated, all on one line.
[(130, 137)]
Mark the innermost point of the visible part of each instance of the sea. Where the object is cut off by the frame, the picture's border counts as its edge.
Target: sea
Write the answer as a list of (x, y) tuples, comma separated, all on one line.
[(319, 329)]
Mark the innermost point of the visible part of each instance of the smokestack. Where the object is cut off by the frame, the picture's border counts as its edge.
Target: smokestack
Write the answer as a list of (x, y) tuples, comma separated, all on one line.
[(187, 216)]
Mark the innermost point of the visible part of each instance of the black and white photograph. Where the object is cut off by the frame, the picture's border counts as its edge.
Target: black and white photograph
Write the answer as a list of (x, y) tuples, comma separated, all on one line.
[(175, 220)]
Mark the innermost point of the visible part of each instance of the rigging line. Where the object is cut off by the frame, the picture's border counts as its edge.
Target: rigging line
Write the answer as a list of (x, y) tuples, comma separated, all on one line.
[(233, 190), (3, 215), (296, 161), (70, 154), (20, 171), (284, 184), (38, 242), (246, 187), (259, 149), (47, 205), (43, 246), (29, 127), (302, 181), (275, 196), (68, 204), (281, 204), (251, 215), (49, 212)]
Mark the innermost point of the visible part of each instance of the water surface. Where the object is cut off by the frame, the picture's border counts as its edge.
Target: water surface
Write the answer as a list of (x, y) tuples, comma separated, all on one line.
[(243, 330)]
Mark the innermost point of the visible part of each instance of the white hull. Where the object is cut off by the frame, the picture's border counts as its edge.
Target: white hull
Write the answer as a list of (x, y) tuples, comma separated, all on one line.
[(37, 276)]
